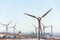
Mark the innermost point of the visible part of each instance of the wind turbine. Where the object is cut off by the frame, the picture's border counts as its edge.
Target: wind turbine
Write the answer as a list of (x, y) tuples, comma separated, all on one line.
[(44, 27), (39, 21), (35, 29), (6, 26), (14, 29)]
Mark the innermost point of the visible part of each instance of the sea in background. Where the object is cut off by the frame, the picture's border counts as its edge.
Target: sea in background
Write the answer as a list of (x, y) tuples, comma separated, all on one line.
[(53, 34)]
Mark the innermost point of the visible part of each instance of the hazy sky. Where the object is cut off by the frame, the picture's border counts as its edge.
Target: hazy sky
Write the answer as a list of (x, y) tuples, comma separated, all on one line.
[(15, 9)]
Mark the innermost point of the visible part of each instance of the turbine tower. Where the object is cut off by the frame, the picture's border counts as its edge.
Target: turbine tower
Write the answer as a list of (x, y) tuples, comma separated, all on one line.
[(51, 30), (6, 26), (39, 21), (35, 29)]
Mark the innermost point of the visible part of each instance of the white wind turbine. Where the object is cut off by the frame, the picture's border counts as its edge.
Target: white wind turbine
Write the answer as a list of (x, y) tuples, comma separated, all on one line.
[(39, 21), (44, 27), (35, 29), (14, 29), (6, 26)]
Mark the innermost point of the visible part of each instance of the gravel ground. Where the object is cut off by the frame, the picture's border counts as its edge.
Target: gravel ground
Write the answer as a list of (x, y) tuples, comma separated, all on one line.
[(30, 39)]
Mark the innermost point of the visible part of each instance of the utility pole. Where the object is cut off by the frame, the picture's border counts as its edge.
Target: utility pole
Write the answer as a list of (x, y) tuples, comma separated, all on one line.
[(39, 21)]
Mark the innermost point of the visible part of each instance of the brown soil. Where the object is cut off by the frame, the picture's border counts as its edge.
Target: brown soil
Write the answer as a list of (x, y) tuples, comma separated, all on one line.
[(6, 39)]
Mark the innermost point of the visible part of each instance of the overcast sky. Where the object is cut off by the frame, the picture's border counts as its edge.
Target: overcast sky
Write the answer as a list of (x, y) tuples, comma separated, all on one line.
[(15, 9)]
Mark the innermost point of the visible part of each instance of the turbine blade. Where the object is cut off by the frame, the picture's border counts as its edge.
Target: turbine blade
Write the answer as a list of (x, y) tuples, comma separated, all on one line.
[(15, 25), (9, 23), (43, 25), (34, 25), (3, 24), (31, 15), (10, 27), (46, 13), (47, 26)]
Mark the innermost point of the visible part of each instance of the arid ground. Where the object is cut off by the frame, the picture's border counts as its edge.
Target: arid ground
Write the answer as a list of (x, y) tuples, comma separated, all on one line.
[(48, 38)]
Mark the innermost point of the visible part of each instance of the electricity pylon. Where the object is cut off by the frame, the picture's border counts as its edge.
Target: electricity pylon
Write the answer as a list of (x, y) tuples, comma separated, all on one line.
[(39, 21)]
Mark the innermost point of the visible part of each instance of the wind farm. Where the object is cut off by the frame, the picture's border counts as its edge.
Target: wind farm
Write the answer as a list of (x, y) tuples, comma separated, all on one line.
[(29, 19), (39, 32)]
